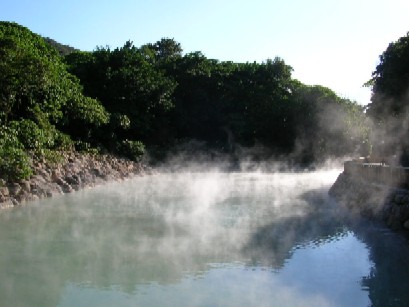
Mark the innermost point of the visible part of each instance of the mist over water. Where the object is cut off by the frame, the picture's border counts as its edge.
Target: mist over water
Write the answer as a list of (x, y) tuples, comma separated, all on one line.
[(198, 239)]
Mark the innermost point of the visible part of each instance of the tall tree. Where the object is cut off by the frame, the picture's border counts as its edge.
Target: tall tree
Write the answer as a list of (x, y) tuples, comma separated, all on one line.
[(38, 99), (36, 85), (127, 84), (390, 81), (389, 105)]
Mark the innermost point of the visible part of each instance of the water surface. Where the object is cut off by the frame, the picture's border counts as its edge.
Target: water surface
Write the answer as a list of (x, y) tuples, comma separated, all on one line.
[(203, 239)]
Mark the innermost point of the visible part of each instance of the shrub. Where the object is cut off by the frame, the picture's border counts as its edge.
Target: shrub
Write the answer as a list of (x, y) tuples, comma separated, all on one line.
[(38, 137), (14, 161), (32, 136), (133, 150), (120, 121), (63, 141), (86, 147)]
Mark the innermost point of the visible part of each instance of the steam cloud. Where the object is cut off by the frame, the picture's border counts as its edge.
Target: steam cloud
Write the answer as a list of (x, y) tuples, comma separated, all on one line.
[(161, 227)]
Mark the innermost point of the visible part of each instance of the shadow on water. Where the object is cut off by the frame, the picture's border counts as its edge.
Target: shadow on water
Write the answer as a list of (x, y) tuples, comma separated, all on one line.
[(273, 244), (388, 281)]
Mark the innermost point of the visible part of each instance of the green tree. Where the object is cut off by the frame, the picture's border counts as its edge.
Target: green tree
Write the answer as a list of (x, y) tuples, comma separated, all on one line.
[(39, 100), (257, 101), (163, 51), (36, 84), (327, 125), (14, 161), (390, 81), (389, 105), (129, 85), (197, 98)]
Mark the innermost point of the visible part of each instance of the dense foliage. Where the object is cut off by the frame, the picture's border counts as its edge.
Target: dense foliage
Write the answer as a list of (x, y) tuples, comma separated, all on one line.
[(124, 99), (61, 48), (167, 98), (389, 105), (39, 99), (390, 80)]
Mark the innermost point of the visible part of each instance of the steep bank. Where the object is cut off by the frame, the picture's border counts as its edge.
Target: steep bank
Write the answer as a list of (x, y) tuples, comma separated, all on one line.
[(373, 200), (75, 171)]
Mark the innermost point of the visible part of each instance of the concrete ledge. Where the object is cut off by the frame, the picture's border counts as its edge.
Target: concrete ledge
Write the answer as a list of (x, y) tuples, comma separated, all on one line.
[(394, 176)]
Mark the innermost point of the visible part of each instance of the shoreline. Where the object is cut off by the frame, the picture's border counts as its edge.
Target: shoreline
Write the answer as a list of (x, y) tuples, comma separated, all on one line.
[(378, 202), (76, 171)]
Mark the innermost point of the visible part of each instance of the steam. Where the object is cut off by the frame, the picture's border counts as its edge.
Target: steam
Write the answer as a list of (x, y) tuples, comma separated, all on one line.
[(389, 130), (191, 201), (163, 226)]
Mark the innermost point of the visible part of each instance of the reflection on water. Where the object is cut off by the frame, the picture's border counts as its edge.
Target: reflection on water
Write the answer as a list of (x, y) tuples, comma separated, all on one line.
[(241, 239)]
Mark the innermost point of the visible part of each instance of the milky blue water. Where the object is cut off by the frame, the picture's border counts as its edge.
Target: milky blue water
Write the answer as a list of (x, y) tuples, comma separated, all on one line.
[(203, 239)]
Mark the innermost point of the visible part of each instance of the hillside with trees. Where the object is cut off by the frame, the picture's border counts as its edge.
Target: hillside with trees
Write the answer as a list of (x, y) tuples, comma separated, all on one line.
[(167, 98), (155, 97), (39, 101), (61, 48)]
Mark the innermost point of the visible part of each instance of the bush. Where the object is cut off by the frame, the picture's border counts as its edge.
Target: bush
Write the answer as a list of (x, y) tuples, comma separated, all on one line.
[(86, 147), (63, 141), (52, 157), (133, 150), (120, 121), (32, 136), (14, 164), (38, 137), (14, 161)]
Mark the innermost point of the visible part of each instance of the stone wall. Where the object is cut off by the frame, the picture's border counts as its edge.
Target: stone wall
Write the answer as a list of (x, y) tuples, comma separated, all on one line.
[(381, 173), (75, 171), (372, 196)]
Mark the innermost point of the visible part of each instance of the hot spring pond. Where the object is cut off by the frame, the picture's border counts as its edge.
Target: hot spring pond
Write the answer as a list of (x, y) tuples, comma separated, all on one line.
[(201, 239)]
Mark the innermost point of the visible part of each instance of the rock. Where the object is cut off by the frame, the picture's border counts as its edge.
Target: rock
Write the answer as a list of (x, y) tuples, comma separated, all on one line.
[(75, 172), (38, 178), (15, 189), (53, 189), (379, 202), (72, 180), (43, 173), (65, 187), (26, 185), (23, 197), (96, 171), (34, 197), (56, 173), (6, 204), (4, 191)]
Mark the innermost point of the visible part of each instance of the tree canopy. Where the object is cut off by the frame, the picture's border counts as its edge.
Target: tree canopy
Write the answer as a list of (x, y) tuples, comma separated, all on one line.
[(390, 81), (123, 99), (389, 107), (39, 99)]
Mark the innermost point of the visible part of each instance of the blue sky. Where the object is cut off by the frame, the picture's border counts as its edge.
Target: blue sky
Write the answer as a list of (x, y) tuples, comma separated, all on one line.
[(335, 43)]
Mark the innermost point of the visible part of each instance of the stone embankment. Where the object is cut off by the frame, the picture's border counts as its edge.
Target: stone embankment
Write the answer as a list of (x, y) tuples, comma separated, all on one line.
[(373, 199), (75, 171)]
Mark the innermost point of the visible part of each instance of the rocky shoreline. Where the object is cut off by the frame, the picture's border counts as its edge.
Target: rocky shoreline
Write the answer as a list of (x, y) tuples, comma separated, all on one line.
[(374, 201), (75, 171)]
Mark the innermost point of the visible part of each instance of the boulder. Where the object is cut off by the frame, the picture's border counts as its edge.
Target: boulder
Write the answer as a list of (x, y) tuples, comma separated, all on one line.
[(6, 204), (4, 191), (76, 171), (25, 185), (15, 189)]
